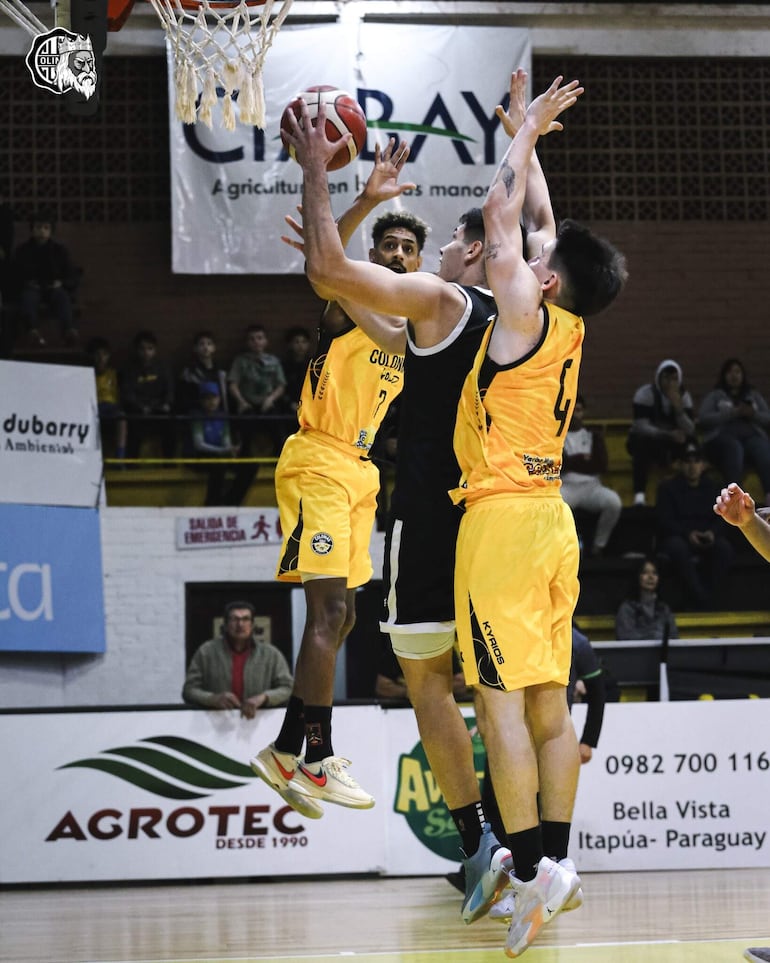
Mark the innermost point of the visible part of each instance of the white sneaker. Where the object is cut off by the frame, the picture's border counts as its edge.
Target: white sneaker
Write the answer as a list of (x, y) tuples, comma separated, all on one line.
[(328, 780), (576, 900), (502, 910), (537, 902), (279, 770)]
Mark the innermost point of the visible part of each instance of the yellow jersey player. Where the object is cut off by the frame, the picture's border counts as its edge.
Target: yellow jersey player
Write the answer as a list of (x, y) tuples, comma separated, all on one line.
[(326, 487), (516, 582)]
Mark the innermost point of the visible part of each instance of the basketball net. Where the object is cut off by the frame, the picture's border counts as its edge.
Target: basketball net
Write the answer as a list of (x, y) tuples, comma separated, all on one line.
[(220, 47)]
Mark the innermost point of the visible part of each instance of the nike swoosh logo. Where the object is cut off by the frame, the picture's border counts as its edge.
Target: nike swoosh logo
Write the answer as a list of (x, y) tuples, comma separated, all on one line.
[(319, 780), (286, 773)]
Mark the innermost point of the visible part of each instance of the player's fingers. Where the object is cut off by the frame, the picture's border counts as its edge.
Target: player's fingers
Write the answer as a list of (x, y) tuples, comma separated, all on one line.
[(297, 245)]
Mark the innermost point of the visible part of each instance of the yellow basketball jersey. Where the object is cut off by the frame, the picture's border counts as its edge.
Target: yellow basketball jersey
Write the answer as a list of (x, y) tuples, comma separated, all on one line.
[(512, 419), (348, 387)]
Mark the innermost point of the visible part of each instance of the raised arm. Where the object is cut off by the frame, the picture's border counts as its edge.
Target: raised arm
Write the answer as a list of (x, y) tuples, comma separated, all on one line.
[(537, 213), (517, 291), (328, 269)]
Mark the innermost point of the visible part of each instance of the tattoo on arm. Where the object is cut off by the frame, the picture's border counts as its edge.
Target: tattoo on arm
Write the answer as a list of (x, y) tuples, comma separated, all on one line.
[(491, 250), (508, 177)]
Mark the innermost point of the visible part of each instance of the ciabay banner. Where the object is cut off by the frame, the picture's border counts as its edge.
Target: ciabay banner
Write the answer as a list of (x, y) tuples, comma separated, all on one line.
[(434, 86), (151, 795), (50, 450)]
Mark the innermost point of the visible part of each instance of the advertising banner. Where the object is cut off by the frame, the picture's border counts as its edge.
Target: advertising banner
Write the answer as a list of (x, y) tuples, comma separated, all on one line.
[(50, 450), (51, 590), (435, 86), (170, 795)]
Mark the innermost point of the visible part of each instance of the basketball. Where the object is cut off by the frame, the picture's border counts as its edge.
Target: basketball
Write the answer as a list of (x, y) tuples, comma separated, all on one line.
[(343, 114)]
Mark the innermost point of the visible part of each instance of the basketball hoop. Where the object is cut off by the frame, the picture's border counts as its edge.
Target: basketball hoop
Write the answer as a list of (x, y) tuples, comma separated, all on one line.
[(220, 44)]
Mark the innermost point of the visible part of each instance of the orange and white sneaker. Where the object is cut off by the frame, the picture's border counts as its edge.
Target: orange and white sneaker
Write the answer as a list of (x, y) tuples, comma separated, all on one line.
[(538, 901), (329, 781), (279, 771)]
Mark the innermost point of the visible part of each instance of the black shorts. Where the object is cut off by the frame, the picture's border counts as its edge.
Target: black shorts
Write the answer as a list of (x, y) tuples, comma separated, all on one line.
[(418, 572)]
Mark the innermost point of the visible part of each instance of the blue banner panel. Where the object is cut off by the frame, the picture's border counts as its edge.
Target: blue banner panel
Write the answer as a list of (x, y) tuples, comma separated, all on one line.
[(51, 593)]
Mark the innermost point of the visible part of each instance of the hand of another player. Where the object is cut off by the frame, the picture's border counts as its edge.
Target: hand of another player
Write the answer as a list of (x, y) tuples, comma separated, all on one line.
[(382, 184), (544, 110), (513, 118), (310, 143), (298, 245), (735, 505)]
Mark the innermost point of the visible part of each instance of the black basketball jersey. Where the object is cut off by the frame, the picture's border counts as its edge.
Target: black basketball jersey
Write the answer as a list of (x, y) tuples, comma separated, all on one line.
[(426, 467)]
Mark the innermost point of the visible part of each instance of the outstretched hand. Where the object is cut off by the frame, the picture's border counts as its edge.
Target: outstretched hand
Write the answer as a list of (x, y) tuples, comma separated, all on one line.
[(298, 245), (382, 184), (735, 505), (513, 118), (310, 143), (544, 110)]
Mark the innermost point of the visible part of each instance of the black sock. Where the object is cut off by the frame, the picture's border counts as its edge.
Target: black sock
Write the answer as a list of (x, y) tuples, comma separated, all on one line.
[(469, 820), (292, 733), (318, 733), (555, 839), (527, 850)]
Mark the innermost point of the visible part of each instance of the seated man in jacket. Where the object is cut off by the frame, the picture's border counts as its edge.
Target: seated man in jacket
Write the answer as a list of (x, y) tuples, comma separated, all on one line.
[(235, 671)]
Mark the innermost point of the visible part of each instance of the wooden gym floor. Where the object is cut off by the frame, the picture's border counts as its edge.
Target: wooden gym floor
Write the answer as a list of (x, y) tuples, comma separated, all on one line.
[(657, 917)]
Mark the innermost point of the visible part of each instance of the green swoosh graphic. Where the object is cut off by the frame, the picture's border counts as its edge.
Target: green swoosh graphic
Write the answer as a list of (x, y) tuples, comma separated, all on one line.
[(418, 128), (211, 758), (176, 768), (144, 780)]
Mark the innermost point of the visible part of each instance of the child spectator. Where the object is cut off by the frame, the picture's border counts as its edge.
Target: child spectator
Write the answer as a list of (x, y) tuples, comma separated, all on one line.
[(112, 420), (147, 392), (210, 438), (202, 369)]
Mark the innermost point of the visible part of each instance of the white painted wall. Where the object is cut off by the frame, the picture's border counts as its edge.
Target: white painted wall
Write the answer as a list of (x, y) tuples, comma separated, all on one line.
[(144, 600)]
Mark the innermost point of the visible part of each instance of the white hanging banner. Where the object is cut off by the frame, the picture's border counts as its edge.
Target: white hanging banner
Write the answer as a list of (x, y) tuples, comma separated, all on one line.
[(50, 450), (435, 86)]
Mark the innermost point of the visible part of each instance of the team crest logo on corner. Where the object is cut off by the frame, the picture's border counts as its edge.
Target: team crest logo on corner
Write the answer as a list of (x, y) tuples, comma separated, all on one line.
[(322, 543), (60, 60)]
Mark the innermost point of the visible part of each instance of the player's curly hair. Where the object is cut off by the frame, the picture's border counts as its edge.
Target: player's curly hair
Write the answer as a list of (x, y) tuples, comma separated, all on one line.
[(592, 270), (400, 219)]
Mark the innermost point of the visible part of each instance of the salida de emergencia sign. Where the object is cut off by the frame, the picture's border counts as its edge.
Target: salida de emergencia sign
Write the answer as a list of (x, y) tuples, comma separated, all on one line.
[(259, 527)]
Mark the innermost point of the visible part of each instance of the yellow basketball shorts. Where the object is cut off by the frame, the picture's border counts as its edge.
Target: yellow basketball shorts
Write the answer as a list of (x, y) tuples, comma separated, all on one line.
[(327, 500), (516, 587)]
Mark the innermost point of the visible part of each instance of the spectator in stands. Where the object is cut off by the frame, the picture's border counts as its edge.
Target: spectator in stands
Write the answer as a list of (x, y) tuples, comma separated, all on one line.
[(235, 671), (112, 421), (583, 461), (47, 279), (737, 507), (734, 420), (662, 423), (210, 438), (201, 370), (147, 396), (256, 383), (643, 615), (689, 532), (294, 362)]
